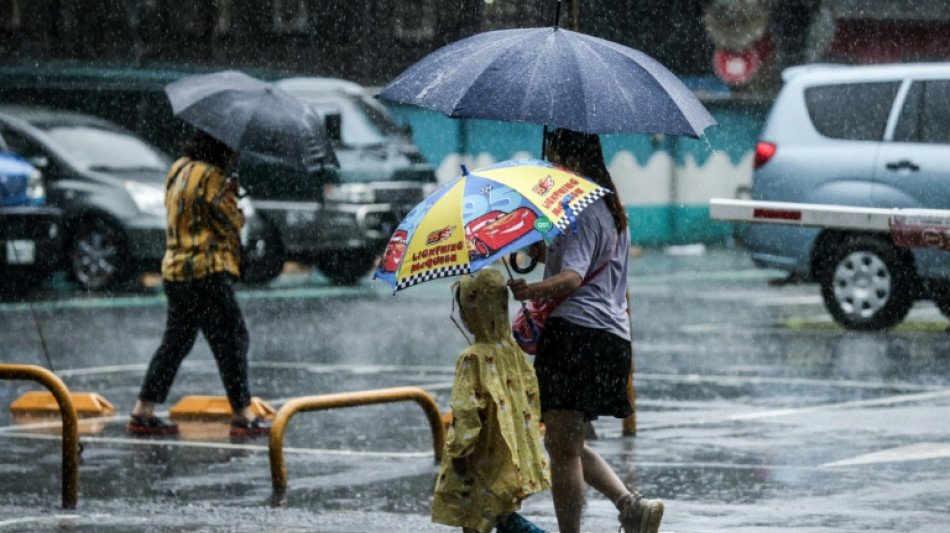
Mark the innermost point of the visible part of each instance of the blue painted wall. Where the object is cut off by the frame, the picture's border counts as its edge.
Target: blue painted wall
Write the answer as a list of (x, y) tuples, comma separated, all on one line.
[(682, 218)]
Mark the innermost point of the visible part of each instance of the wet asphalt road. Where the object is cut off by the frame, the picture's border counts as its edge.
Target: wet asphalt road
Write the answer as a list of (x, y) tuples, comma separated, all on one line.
[(754, 412)]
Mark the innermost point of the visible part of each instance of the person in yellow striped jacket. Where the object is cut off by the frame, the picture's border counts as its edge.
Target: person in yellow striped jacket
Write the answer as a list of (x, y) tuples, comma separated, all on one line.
[(202, 260)]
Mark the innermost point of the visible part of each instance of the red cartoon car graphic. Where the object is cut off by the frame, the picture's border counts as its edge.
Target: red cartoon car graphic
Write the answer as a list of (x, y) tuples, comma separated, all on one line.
[(494, 230), (395, 250), (439, 235)]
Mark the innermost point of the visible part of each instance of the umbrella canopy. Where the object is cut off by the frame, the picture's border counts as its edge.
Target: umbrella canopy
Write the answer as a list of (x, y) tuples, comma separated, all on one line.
[(473, 220), (554, 77), (250, 115)]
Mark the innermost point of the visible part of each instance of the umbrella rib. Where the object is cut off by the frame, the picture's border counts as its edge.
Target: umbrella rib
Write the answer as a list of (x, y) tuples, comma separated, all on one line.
[(680, 102), (506, 45)]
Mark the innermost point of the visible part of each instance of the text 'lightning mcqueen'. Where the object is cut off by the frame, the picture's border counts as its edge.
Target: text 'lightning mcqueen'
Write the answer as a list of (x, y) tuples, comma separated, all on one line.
[(494, 230)]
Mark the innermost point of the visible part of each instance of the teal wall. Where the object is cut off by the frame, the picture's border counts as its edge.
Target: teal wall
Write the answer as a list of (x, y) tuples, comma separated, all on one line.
[(673, 222)]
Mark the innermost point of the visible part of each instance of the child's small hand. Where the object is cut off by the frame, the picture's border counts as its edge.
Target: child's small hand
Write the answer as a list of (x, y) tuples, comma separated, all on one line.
[(460, 465)]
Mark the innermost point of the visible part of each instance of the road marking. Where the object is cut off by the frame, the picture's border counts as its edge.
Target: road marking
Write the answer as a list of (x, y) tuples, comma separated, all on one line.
[(773, 413), (911, 452), (159, 299), (635, 279), (43, 519), (219, 445), (754, 380)]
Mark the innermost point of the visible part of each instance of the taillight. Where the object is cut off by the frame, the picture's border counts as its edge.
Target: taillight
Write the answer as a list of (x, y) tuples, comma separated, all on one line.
[(763, 152)]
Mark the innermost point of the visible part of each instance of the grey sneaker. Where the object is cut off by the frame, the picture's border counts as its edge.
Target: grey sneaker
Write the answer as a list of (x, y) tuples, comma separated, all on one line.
[(641, 515)]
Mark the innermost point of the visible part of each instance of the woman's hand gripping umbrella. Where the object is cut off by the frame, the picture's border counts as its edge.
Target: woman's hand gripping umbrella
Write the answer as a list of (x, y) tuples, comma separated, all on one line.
[(480, 216)]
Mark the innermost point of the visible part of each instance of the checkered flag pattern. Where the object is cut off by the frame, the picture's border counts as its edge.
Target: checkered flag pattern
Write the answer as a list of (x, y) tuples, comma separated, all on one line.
[(436, 273), (563, 223)]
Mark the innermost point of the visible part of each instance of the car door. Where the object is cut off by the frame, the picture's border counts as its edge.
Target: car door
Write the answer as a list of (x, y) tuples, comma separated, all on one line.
[(913, 168), (914, 165)]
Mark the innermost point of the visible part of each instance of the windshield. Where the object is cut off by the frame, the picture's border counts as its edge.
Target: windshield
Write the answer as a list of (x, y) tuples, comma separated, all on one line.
[(361, 124), (98, 148)]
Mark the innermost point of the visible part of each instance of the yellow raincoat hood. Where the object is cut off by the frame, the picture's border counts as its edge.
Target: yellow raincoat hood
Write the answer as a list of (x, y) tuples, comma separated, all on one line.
[(483, 302)]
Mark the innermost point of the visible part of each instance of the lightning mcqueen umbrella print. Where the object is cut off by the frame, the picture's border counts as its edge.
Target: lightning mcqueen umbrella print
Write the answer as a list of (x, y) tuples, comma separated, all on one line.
[(478, 217)]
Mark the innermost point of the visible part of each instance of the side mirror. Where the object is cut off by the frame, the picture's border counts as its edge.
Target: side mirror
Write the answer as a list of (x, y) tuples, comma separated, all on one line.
[(334, 122), (40, 161)]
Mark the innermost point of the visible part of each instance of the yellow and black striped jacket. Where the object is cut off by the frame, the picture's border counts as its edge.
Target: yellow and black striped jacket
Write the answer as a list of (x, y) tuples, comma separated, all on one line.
[(203, 222)]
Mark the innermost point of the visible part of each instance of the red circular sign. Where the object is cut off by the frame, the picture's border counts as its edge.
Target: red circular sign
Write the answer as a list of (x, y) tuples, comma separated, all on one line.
[(738, 67)]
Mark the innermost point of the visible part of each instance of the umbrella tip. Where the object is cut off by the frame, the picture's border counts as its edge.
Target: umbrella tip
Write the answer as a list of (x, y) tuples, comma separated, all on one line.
[(464, 170)]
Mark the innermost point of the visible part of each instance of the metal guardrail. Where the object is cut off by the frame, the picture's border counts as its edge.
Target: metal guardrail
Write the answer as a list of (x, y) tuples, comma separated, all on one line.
[(348, 399), (70, 423)]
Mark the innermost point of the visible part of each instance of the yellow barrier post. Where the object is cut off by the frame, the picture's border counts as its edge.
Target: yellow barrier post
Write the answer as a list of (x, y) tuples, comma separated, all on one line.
[(348, 399), (70, 423)]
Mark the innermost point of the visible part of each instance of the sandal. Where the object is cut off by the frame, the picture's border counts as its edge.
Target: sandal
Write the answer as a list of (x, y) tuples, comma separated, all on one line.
[(150, 426), (255, 428)]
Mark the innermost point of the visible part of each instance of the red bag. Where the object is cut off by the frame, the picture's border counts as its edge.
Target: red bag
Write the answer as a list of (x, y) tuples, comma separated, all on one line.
[(528, 323)]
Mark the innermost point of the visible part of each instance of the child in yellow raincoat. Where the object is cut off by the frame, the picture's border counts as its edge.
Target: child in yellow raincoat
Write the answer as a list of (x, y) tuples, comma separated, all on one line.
[(493, 456)]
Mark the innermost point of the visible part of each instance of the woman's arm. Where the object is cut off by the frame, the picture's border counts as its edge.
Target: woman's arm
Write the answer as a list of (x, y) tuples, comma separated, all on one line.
[(558, 285)]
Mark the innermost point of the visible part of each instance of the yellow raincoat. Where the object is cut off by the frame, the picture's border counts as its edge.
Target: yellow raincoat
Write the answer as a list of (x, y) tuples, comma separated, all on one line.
[(496, 412)]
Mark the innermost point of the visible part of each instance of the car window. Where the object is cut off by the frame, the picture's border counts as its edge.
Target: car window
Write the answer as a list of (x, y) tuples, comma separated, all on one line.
[(925, 116), (22, 145), (360, 124), (854, 111), (908, 124), (102, 149)]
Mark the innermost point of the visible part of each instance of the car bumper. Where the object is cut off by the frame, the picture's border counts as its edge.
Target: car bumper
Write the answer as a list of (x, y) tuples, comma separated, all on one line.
[(147, 239), (32, 242), (308, 229), (782, 247)]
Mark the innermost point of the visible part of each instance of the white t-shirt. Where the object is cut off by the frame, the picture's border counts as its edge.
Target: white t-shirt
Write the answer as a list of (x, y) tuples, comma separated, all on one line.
[(600, 303)]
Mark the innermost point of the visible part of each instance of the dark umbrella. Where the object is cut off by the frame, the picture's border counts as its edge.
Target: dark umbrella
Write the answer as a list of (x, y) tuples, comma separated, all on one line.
[(554, 77), (250, 115)]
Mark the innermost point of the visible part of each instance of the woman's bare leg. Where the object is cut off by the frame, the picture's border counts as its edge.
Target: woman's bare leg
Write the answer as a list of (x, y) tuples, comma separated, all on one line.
[(564, 441), (598, 474)]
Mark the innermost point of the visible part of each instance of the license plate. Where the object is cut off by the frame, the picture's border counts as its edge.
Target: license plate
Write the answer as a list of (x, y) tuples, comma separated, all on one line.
[(21, 252)]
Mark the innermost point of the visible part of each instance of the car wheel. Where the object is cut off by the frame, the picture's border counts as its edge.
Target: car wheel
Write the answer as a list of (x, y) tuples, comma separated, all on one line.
[(346, 267), (866, 283), (98, 255), (263, 258)]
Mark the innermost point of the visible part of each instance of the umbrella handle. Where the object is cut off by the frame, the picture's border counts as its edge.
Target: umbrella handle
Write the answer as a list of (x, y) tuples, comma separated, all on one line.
[(513, 259), (531, 324)]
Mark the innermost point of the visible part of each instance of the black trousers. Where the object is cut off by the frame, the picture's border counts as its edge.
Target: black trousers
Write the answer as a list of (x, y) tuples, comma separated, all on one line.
[(208, 305)]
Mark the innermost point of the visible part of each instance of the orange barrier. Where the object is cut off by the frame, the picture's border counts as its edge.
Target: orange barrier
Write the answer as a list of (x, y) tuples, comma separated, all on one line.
[(70, 423), (348, 399)]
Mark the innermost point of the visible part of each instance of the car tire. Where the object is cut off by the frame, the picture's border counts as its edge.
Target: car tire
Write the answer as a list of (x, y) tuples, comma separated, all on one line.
[(346, 267), (263, 259), (97, 257), (866, 283)]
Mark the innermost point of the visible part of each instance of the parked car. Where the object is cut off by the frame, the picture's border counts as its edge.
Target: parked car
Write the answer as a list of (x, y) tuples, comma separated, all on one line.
[(382, 174), (110, 186), (29, 231), (873, 136), (336, 219)]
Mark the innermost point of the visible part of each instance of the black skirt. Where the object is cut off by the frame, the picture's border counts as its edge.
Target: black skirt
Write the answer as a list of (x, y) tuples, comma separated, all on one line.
[(583, 369)]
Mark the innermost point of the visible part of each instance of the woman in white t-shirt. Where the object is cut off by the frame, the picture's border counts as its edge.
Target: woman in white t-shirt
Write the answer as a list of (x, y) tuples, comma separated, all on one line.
[(585, 353)]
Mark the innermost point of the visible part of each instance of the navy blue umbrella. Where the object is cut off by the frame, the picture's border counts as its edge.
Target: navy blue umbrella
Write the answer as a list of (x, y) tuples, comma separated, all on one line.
[(554, 77)]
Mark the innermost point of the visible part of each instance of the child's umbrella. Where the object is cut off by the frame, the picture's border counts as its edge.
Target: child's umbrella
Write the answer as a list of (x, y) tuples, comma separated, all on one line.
[(480, 216)]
